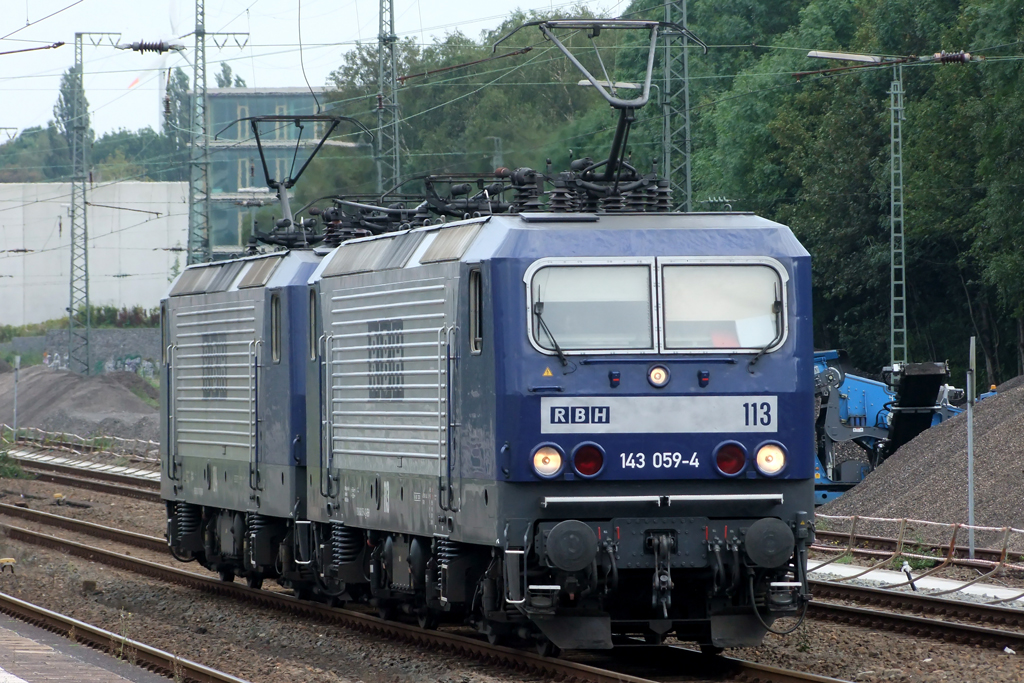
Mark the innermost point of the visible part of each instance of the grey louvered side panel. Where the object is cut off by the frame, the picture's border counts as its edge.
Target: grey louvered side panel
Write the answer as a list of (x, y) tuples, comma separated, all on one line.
[(387, 376), (214, 378)]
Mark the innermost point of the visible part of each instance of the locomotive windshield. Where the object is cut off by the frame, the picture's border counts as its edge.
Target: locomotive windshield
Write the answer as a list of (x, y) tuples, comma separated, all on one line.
[(720, 306), (593, 307), (703, 307)]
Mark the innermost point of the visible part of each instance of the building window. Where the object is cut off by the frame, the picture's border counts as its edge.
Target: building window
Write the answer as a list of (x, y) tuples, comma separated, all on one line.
[(476, 311), (241, 228), (275, 327), (243, 174), (281, 129), (241, 112)]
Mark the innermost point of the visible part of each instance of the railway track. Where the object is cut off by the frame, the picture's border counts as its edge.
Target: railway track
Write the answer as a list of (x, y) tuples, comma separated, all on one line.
[(83, 480), (589, 668), (121, 480), (144, 655), (864, 544)]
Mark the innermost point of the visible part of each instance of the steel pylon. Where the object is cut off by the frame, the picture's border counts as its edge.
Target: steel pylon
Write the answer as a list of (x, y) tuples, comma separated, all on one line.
[(675, 138), (79, 313), (199, 250), (388, 142), (898, 289)]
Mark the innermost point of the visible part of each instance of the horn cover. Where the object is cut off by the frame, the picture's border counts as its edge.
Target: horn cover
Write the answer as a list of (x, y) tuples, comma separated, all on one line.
[(571, 545), (769, 542)]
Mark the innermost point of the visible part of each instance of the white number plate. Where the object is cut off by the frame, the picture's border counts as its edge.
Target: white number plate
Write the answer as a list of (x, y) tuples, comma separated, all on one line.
[(658, 460), (658, 414)]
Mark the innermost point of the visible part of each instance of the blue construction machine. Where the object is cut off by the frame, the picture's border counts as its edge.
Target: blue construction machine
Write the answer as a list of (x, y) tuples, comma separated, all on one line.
[(878, 416)]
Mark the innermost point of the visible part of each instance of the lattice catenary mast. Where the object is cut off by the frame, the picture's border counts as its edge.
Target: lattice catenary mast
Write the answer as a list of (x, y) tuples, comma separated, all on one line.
[(79, 318), (897, 274), (199, 156), (388, 143), (675, 137), (199, 248)]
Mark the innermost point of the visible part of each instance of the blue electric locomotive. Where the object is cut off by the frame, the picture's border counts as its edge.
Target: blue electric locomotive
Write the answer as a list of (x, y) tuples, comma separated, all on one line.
[(521, 423), (571, 419), (234, 409)]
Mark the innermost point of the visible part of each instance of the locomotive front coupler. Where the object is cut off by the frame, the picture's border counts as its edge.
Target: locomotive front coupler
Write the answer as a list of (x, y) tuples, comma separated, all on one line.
[(662, 544)]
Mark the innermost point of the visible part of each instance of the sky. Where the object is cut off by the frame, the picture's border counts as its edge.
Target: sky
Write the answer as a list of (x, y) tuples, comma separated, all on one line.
[(124, 88)]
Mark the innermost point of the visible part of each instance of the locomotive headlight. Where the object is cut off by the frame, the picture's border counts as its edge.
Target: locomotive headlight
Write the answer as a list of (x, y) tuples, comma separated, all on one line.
[(547, 461), (658, 376), (771, 458)]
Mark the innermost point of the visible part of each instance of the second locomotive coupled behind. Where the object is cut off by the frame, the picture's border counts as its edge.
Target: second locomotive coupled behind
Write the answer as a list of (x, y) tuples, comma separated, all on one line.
[(569, 424)]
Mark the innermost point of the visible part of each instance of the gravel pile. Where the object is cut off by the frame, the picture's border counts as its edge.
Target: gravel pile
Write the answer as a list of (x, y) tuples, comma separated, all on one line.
[(61, 401), (927, 478)]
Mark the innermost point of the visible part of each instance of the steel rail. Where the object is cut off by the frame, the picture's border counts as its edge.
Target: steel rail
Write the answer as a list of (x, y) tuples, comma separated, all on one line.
[(89, 528), (151, 495), (93, 636), (838, 540), (942, 607), (922, 603), (453, 643), (917, 626)]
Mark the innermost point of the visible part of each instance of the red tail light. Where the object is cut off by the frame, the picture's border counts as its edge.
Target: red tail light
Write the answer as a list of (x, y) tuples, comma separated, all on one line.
[(588, 459), (730, 458)]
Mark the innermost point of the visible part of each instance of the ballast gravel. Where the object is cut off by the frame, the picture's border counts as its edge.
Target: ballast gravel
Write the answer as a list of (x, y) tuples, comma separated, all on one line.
[(927, 478), (266, 646)]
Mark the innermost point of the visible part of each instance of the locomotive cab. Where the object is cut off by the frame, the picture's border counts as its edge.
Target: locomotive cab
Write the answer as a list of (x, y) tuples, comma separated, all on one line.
[(569, 429), (233, 430)]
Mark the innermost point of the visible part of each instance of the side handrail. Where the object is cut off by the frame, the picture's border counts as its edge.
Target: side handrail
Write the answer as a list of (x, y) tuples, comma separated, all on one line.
[(442, 414), (326, 343), (172, 436), (452, 393)]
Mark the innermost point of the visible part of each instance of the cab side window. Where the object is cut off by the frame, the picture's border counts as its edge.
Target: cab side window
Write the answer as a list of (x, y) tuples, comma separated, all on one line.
[(476, 311), (275, 327)]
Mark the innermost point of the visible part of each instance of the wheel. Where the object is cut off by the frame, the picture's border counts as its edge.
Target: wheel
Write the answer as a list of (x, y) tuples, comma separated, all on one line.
[(709, 650), (226, 575), (254, 581), (654, 638), (427, 619), (545, 648), (495, 638), (303, 592), (386, 612)]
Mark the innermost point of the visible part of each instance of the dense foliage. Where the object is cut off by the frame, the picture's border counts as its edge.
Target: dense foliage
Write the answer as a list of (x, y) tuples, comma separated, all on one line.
[(811, 152)]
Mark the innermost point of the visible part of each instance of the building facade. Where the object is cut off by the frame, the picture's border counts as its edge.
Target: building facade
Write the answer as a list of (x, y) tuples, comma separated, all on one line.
[(238, 186), (137, 244)]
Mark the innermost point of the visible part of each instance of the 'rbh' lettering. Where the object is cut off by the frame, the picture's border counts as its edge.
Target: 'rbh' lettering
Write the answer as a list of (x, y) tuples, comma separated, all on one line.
[(215, 369), (563, 415), (386, 339)]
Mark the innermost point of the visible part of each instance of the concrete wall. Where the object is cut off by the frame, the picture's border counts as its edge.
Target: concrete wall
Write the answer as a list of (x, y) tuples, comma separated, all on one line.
[(133, 249), (24, 345), (134, 350)]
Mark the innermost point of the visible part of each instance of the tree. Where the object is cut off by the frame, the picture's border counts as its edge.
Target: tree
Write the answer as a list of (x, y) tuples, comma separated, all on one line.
[(64, 109), (224, 78), (177, 122)]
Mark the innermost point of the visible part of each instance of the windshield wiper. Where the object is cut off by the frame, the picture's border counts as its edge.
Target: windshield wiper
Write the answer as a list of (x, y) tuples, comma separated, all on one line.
[(777, 310), (538, 310)]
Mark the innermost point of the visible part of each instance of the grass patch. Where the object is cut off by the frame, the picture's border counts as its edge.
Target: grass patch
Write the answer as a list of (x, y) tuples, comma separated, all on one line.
[(916, 563), (11, 468), (27, 359), (146, 398)]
